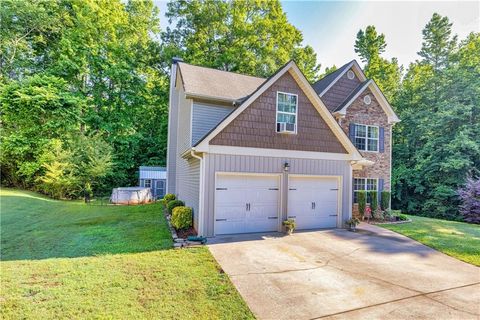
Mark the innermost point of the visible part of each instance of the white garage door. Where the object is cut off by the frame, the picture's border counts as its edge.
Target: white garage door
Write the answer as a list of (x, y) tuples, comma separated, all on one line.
[(246, 203), (313, 201)]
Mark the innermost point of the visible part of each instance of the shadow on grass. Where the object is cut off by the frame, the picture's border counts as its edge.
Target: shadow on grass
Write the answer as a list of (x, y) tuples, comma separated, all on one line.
[(32, 228)]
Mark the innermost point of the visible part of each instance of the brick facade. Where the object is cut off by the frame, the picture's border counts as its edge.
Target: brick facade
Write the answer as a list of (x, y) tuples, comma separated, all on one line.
[(256, 125), (360, 113)]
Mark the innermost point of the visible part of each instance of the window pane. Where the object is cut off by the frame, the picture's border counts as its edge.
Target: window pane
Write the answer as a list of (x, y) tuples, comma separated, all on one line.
[(360, 143), (361, 131), (373, 132), (287, 103), (372, 145), (283, 117), (359, 184), (372, 184)]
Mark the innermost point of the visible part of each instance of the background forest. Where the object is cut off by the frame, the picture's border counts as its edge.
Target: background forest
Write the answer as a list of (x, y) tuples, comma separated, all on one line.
[(84, 91)]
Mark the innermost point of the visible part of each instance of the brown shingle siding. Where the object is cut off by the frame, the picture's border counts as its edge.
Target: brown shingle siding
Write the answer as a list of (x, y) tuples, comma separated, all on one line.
[(255, 126), (339, 91)]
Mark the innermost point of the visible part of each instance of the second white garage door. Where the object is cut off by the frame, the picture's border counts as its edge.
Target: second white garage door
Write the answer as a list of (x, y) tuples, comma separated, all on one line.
[(246, 203), (313, 201)]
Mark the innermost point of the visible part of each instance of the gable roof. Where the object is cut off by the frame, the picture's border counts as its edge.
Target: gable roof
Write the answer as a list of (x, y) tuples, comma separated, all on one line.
[(325, 82), (207, 83), (203, 145), (355, 93)]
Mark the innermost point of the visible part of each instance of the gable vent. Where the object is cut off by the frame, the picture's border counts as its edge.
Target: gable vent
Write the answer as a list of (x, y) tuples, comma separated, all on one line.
[(350, 74), (367, 100)]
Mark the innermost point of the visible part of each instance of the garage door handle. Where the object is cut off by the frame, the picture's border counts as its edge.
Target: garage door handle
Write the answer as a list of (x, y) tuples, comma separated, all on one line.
[(221, 188), (272, 217), (292, 189), (292, 216), (334, 189), (220, 219), (272, 188), (333, 215)]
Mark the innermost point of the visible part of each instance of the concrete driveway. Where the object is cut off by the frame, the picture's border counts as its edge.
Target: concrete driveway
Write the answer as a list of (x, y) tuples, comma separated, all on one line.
[(337, 274)]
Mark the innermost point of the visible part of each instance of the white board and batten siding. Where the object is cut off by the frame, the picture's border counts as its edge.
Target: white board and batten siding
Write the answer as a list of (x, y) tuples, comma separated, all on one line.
[(218, 164)]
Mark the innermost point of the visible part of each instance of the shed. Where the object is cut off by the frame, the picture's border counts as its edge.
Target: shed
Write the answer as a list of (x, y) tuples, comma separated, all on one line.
[(154, 178)]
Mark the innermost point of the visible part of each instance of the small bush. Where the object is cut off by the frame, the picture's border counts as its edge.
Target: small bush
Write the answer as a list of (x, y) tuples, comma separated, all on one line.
[(362, 202), (169, 197), (182, 217), (402, 217), (373, 201), (173, 204), (378, 214), (385, 200)]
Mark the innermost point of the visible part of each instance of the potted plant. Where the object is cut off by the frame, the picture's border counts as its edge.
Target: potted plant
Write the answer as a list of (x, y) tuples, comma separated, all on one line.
[(353, 222), (289, 225)]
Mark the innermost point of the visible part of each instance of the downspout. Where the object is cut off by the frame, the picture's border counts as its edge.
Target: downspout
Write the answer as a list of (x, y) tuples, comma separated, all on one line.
[(201, 221)]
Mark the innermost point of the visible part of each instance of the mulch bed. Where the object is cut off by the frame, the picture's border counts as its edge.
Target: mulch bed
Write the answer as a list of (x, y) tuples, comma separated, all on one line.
[(184, 233)]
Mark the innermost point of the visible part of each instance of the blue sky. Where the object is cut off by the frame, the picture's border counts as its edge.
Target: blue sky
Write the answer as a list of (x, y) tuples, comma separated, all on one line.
[(330, 27)]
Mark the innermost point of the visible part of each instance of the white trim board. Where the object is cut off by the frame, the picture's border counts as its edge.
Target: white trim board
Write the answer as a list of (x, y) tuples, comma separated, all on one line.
[(293, 69)]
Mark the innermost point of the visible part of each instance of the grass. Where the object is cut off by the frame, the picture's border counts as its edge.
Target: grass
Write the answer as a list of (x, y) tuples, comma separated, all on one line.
[(64, 260), (457, 239)]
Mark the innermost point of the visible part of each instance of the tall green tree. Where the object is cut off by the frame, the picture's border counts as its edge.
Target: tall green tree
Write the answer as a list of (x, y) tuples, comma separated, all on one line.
[(252, 37), (369, 45), (436, 144)]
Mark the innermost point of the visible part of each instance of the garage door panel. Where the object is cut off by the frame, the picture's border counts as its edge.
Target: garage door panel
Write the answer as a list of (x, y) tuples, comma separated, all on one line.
[(313, 201), (234, 192)]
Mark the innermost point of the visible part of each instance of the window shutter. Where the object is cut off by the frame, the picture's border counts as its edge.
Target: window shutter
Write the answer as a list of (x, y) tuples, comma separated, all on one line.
[(351, 132), (380, 189), (381, 138)]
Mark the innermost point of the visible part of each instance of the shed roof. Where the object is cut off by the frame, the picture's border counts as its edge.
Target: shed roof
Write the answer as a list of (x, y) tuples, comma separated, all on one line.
[(212, 83)]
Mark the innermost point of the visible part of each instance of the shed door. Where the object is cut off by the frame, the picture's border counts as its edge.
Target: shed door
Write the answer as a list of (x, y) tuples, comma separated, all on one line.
[(246, 203)]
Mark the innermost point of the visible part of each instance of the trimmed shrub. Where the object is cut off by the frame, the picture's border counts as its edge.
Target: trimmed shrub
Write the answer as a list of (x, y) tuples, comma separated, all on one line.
[(402, 217), (362, 202), (173, 204), (182, 217), (373, 201), (169, 197), (385, 200)]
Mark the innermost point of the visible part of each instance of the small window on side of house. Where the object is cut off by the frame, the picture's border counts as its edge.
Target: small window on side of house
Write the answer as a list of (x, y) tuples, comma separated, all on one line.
[(364, 184)]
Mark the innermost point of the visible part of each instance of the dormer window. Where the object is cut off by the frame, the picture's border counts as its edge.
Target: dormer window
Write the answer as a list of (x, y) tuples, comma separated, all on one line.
[(287, 106)]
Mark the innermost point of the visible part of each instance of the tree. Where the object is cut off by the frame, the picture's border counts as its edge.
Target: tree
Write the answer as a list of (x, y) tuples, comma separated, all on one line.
[(369, 45), (251, 37), (437, 141), (470, 197)]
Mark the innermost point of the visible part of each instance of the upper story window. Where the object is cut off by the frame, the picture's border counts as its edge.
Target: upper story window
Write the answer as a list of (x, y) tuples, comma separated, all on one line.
[(366, 137), (148, 183), (287, 106)]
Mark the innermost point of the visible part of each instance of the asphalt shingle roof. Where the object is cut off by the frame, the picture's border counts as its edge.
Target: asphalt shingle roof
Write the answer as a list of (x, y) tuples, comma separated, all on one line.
[(215, 83), (323, 83)]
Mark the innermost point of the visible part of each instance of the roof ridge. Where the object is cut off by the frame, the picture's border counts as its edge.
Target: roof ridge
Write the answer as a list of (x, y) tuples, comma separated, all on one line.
[(219, 70)]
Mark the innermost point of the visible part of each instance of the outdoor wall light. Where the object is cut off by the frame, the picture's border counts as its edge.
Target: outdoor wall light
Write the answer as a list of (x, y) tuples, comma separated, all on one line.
[(286, 166)]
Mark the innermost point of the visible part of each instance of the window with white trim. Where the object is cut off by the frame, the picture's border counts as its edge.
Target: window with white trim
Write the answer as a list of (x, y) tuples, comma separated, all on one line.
[(287, 105), (364, 184), (366, 137), (148, 183)]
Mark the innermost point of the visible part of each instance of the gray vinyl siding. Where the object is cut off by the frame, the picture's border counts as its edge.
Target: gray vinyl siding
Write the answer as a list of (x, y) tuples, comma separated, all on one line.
[(257, 164), (188, 184), (205, 118), (172, 134)]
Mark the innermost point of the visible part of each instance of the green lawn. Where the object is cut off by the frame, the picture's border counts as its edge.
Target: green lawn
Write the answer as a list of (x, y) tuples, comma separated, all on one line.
[(70, 260), (457, 239)]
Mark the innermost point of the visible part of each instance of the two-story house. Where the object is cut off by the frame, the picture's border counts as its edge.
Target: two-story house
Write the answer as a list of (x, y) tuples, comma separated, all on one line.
[(247, 153)]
